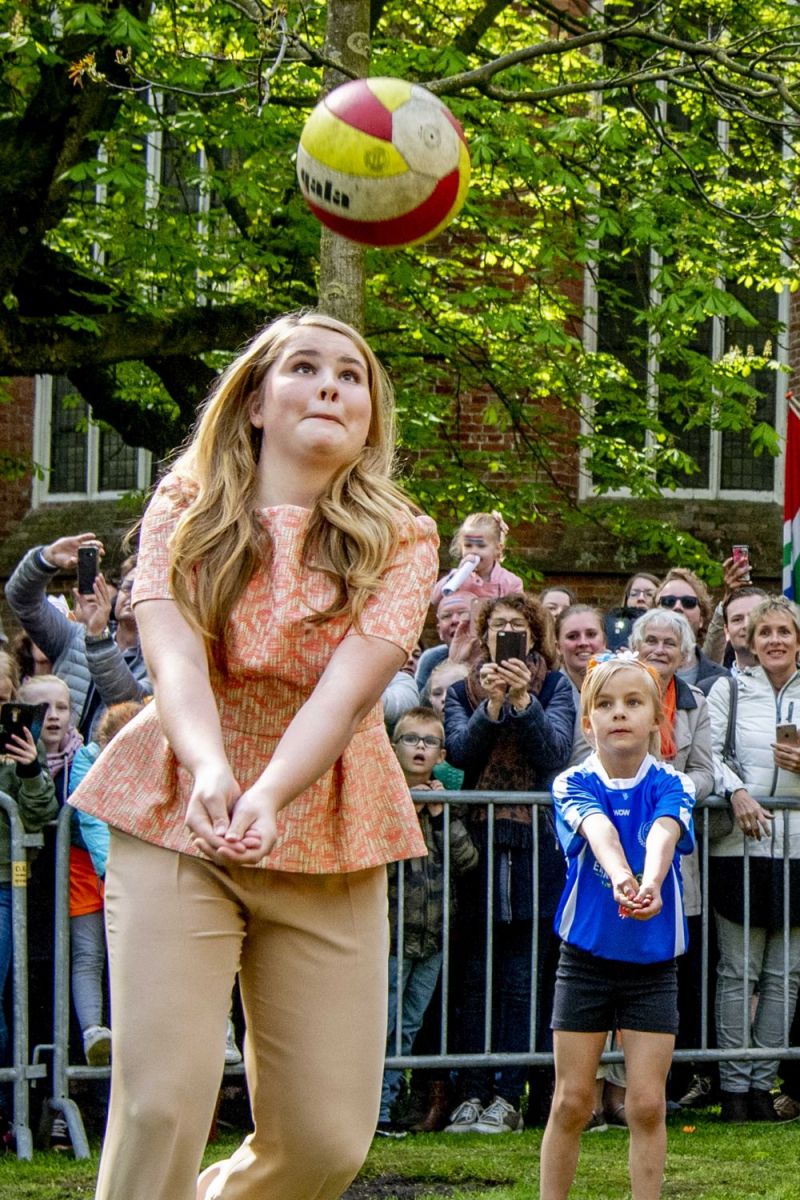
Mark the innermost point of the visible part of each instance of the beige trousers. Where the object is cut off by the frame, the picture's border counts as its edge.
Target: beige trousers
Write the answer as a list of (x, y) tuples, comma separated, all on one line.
[(312, 955)]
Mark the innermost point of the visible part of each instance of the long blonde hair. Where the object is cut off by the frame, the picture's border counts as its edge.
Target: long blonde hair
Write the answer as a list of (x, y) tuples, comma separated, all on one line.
[(355, 526)]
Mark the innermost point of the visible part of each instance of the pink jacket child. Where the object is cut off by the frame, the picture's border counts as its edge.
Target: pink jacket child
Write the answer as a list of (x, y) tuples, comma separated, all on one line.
[(479, 543)]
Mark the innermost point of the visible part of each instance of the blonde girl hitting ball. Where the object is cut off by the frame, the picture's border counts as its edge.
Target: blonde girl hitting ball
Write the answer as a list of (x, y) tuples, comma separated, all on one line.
[(623, 819), (282, 581)]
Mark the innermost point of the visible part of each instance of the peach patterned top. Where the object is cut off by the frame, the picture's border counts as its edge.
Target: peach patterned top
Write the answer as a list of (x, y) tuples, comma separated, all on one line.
[(359, 814)]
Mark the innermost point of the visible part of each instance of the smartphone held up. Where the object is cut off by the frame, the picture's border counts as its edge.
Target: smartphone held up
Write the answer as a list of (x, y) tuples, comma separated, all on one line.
[(741, 558), (511, 643), (87, 569), (15, 718)]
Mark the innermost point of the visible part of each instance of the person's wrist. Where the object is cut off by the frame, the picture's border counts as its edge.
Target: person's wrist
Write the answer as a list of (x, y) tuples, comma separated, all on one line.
[(29, 770), (102, 635), (44, 561)]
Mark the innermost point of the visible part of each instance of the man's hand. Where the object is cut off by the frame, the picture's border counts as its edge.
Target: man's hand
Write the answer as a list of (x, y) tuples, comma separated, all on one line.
[(63, 553), (93, 611), (737, 575)]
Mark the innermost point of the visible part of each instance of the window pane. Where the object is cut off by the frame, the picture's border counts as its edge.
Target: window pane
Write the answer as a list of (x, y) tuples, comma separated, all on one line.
[(67, 439), (623, 292), (677, 400), (740, 470), (117, 466)]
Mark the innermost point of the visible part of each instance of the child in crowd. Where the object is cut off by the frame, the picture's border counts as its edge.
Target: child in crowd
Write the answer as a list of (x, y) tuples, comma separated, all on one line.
[(61, 741), (450, 777), (59, 736), (25, 778), (87, 868), (481, 537), (419, 746), (623, 819)]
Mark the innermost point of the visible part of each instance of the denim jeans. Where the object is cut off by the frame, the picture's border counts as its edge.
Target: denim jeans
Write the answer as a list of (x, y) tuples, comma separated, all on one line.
[(88, 954), (511, 1005), (765, 968), (420, 976)]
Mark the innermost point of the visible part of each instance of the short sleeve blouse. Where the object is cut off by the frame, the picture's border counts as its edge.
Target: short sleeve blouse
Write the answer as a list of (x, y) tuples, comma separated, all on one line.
[(359, 813)]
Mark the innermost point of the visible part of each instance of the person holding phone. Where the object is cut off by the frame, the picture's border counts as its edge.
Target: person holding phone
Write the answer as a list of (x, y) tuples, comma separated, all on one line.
[(282, 581), (509, 726), (100, 666), (767, 695)]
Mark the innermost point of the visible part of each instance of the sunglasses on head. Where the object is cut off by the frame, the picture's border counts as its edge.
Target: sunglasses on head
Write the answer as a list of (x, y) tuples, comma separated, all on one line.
[(685, 601)]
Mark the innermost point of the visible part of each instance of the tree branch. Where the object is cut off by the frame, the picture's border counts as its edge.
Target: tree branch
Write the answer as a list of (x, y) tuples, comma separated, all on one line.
[(31, 345)]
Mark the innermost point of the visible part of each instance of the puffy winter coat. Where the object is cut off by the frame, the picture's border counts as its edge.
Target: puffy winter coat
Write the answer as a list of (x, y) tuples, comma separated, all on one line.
[(760, 708), (117, 675)]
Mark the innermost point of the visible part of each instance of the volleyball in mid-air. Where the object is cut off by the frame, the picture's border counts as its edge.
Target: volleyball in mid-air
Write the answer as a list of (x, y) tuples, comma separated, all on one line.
[(383, 162)]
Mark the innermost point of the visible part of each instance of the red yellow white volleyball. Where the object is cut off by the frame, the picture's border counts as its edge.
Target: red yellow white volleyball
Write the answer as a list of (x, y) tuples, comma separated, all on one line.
[(383, 162)]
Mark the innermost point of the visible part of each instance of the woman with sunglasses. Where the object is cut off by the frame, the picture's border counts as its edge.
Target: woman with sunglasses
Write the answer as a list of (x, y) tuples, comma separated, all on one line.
[(684, 592), (509, 726)]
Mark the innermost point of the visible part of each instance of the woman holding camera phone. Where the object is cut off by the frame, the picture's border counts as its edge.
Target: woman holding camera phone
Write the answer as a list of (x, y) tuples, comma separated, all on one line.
[(767, 695), (509, 726), (283, 579)]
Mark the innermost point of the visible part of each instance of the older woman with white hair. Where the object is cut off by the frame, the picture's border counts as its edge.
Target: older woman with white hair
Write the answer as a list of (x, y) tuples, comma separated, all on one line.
[(664, 639)]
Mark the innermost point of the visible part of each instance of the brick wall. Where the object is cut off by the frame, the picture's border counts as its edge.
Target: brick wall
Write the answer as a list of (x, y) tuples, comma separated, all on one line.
[(16, 442)]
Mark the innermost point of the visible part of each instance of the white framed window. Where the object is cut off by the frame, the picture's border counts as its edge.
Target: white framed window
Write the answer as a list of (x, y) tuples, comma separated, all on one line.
[(728, 468), (80, 459)]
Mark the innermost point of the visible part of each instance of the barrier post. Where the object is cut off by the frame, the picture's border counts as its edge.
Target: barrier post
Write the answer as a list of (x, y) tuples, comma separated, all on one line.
[(21, 1071), (60, 1101)]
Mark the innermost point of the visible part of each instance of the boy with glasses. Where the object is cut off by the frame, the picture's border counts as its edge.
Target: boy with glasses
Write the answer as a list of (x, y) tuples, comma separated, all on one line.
[(414, 966)]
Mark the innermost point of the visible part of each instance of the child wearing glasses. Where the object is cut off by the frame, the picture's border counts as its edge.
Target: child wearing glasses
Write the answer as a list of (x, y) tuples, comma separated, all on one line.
[(480, 540), (415, 955), (623, 820)]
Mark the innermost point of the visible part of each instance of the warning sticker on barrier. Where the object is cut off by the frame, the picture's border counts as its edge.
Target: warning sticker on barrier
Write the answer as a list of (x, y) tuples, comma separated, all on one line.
[(19, 873)]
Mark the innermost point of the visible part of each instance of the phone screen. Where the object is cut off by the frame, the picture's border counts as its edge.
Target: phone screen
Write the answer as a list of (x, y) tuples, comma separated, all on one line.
[(14, 717), (87, 569), (741, 555), (510, 644)]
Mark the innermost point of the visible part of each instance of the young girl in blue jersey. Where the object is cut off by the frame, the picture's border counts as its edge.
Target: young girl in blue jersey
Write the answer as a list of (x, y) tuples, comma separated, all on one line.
[(623, 820)]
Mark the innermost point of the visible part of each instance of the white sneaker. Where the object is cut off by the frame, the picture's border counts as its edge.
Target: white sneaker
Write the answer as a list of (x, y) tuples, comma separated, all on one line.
[(97, 1045), (233, 1054), (463, 1119), (499, 1117)]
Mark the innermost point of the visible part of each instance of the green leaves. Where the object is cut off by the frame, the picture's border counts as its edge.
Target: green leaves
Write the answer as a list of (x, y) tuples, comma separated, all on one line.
[(608, 290)]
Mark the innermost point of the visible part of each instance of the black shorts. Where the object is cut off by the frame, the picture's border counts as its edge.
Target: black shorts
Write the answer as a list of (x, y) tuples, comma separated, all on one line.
[(595, 994)]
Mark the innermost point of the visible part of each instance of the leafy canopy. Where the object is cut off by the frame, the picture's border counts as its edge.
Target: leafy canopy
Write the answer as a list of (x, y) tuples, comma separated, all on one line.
[(643, 147)]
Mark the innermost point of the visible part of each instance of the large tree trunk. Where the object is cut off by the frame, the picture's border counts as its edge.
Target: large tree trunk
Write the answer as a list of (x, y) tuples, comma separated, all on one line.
[(341, 262)]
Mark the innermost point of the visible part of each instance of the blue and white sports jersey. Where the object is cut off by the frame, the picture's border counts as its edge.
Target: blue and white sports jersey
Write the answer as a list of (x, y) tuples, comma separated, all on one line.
[(588, 916)]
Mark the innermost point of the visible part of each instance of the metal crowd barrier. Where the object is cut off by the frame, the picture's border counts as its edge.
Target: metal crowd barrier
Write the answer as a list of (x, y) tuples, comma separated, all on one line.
[(488, 1057), (24, 1069), (21, 1070)]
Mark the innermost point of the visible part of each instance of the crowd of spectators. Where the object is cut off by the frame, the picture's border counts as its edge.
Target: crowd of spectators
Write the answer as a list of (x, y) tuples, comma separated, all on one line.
[(463, 715)]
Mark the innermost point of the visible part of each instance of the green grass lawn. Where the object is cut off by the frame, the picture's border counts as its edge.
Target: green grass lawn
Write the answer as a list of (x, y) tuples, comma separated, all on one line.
[(706, 1161)]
